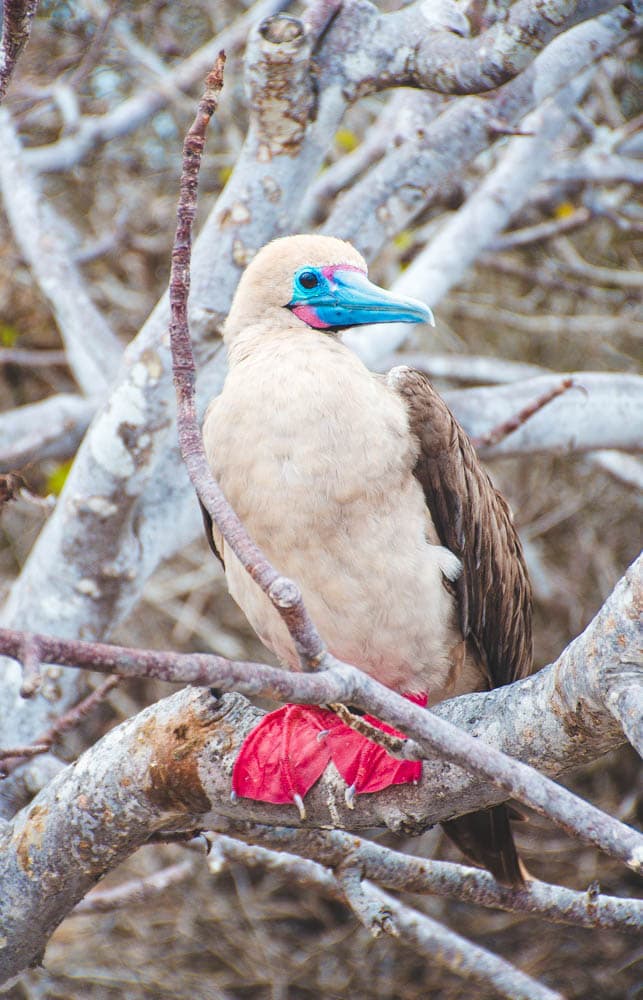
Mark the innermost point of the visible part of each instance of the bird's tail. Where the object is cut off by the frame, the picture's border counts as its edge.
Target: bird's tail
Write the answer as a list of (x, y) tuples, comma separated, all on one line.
[(486, 838)]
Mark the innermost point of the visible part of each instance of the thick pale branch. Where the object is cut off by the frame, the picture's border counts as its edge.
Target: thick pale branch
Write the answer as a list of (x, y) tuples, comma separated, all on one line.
[(404, 115), (626, 468), (26, 358), (599, 411), (407, 52), (52, 428)]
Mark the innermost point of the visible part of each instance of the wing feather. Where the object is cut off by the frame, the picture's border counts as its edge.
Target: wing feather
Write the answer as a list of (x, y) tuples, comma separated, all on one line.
[(474, 521), (493, 591)]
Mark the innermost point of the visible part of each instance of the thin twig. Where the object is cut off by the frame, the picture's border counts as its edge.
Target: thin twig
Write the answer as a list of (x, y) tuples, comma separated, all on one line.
[(376, 917), (283, 593), (73, 717), (30, 659), (507, 427), (31, 359), (134, 891), (405, 873), (542, 230), (31, 750), (574, 262)]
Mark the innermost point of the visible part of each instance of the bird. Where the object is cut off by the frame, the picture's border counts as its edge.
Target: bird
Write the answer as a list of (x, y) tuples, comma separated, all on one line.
[(365, 490)]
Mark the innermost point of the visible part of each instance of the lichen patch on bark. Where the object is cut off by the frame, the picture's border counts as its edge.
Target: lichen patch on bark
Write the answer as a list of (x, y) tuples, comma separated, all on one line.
[(31, 837)]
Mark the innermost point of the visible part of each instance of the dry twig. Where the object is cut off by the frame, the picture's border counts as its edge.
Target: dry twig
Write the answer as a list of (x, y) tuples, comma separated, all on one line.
[(507, 427), (283, 593), (14, 756), (284, 848), (135, 891)]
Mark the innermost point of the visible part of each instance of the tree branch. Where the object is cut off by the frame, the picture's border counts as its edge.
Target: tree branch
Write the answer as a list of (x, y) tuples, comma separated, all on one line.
[(52, 428), (17, 16), (407, 873), (135, 891), (410, 178), (599, 411), (177, 758), (407, 54)]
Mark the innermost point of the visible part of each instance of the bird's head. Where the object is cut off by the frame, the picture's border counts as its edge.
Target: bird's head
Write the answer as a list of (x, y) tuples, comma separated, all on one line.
[(317, 282)]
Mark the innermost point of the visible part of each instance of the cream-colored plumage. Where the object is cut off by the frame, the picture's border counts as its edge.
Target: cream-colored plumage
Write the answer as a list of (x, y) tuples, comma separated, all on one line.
[(367, 492), (315, 454)]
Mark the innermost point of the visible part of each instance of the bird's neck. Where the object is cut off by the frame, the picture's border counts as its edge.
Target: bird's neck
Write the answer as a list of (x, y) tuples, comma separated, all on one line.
[(264, 344)]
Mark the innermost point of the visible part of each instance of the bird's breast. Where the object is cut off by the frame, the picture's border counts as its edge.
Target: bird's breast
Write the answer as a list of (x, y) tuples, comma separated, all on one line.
[(315, 455), (306, 432)]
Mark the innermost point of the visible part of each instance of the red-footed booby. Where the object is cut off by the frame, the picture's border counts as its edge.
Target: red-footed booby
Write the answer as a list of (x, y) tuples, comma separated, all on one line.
[(366, 491)]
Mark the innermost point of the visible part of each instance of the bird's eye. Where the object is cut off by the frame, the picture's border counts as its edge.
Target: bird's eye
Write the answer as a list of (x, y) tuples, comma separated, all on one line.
[(308, 279)]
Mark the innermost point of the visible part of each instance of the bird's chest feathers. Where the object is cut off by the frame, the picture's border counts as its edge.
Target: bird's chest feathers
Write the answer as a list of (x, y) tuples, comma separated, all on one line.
[(307, 431)]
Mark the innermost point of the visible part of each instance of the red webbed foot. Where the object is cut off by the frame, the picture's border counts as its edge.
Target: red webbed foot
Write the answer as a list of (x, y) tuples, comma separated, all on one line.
[(288, 751), (283, 756)]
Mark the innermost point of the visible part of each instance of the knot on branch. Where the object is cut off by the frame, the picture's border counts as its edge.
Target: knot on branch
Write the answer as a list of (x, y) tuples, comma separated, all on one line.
[(279, 84), (284, 593), (280, 29)]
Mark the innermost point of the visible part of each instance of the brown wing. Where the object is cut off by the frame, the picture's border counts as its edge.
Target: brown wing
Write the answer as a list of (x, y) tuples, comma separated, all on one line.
[(474, 521), (494, 595)]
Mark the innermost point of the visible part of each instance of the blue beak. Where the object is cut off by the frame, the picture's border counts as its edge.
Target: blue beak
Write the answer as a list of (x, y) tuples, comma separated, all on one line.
[(338, 297)]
